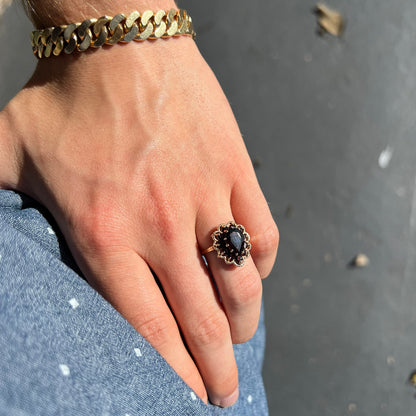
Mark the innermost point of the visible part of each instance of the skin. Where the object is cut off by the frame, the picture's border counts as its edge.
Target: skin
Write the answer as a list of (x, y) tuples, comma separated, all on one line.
[(136, 153)]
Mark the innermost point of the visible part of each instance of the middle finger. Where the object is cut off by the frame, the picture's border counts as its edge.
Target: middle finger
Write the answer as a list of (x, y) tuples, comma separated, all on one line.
[(199, 313)]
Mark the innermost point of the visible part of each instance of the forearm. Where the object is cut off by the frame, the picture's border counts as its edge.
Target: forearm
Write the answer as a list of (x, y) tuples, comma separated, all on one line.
[(46, 13)]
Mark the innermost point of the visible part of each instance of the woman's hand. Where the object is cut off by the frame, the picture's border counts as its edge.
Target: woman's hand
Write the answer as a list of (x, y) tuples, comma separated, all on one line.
[(136, 153)]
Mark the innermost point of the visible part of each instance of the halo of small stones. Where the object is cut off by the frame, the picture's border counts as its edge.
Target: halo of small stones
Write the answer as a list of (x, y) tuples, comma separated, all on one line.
[(225, 249)]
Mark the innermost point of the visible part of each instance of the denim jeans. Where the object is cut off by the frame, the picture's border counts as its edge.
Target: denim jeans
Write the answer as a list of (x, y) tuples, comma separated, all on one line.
[(64, 350)]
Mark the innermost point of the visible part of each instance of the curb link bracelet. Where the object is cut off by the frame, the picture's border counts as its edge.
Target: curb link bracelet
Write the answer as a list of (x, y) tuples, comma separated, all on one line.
[(108, 30)]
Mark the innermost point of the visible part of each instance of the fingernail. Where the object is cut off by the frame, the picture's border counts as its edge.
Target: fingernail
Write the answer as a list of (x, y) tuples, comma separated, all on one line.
[(226, 401)]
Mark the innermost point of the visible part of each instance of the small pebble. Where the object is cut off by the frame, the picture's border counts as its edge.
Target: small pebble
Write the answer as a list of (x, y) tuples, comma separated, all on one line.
[(327, 258), (412, 378), (307, 283), (352, 407), (401, 192), (385, 157), (294, 308), (289, 211), (361, 260), (256, 163), (293, 292), (391, 360)]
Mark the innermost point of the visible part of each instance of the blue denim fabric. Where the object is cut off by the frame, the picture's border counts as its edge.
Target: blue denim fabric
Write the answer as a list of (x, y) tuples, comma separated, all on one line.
[(64, 350)]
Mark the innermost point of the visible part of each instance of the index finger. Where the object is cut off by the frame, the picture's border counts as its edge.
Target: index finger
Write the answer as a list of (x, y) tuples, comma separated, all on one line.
[(126, 281)]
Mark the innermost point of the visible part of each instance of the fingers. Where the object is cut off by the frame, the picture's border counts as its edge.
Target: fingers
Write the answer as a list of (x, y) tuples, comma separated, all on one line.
[(240, 288), (202, 320), (125, 280), (250, 209)]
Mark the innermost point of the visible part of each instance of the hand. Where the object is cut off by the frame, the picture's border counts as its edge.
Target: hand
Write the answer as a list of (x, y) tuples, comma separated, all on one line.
[(136, 153)]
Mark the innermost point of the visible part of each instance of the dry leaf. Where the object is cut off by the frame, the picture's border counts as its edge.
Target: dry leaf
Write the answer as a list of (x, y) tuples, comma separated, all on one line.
[(329, 20)]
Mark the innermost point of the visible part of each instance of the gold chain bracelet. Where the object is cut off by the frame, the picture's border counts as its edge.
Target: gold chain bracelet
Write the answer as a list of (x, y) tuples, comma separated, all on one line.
[(107, 30)]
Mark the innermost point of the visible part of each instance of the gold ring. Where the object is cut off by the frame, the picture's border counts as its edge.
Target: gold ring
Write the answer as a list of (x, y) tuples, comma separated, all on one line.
[(231, 242)]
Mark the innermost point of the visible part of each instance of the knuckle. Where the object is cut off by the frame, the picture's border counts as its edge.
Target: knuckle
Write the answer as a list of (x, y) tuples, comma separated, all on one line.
[(157, 330), (166, 221), (163, 210), (96, 238), (266, 242), (167, 227), (211, 330), (247, 290), (97, 229)]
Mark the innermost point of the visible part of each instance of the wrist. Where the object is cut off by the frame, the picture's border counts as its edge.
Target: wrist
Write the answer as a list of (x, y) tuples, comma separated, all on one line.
[(111, 85), (48, 13), (120, 66)]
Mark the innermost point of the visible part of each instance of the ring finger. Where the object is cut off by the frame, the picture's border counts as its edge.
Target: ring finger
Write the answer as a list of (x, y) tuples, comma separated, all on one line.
[(240, 288)]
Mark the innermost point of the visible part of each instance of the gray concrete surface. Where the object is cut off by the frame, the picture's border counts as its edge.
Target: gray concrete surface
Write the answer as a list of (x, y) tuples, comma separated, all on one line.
[(316, 113)]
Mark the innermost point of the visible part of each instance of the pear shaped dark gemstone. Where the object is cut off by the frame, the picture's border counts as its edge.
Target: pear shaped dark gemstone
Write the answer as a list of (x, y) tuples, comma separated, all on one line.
[(236, 239), (232, 243)]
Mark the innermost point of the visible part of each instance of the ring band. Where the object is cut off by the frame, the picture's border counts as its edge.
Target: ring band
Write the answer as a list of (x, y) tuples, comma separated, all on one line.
[(231, 242), (208, 250)]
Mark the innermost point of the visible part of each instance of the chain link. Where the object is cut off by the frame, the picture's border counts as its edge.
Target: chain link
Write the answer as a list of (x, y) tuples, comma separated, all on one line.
[(94, 33)]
